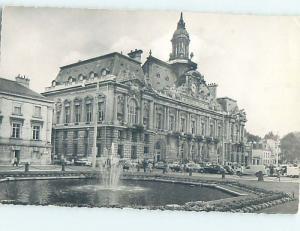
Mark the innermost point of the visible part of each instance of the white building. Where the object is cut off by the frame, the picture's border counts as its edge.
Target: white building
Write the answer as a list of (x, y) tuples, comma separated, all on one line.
[(25, 123), (266, 152)]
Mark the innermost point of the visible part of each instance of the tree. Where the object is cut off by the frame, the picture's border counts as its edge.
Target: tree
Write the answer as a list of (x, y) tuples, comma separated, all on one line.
[(252, 138), (271, 136), (290, 147)]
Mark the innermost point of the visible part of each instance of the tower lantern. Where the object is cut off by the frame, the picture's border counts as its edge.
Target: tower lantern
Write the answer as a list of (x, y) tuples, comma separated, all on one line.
[(180, 41)]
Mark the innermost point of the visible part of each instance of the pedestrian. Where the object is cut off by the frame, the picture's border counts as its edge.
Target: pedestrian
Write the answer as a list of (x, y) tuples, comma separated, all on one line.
[(15, 162), (278, 175)]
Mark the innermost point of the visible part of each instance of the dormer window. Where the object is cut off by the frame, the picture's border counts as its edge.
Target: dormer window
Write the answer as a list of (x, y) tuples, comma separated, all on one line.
[(80, 77), (104, 71), (70, 79), (158, 75), (92, 75), (37, 111), (53, 84), (17, 109)]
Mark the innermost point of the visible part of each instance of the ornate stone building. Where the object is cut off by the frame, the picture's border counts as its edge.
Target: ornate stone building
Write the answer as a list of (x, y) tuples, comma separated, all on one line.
[(156, 110)]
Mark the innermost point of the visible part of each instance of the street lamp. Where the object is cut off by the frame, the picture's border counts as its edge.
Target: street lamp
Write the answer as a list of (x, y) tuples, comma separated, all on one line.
[(95, 127)]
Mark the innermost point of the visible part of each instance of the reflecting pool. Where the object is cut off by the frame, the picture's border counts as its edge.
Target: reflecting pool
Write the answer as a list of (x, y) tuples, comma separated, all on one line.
[(89, 192)]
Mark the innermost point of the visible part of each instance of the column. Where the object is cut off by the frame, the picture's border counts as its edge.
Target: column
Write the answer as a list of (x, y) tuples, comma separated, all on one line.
[(125, 109), (168, 118), (151, 115), (177, 121), (165, 119), (115, 111), (141, 112), (154, 116), (188, 127), (207, 126)]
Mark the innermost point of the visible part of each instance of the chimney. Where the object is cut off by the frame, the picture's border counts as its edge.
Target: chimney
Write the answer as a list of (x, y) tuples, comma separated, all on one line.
[(213, 89), (23, 80), (136, 55)]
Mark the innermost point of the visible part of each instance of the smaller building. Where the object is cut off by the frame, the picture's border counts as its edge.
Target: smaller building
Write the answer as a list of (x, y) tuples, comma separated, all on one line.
[(25, 123), (266, 152)]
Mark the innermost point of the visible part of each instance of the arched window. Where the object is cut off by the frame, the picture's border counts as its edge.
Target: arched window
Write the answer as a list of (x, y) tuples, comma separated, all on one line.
[(132, 112), (193, 152), (70, 79), (92, 75), (80, 77)]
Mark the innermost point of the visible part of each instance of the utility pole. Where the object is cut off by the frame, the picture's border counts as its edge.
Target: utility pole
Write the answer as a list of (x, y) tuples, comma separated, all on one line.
[(95, 127), (223, 143)]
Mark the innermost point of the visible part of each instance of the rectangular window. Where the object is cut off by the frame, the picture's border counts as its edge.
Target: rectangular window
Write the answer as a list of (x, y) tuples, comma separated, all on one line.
[(57, 117), (17, 110), (36, 130), (120, 135), (211, 130), (77, 113), (172, 123), (86, 134), (75, 134), (67, 114), (146, 138), (202, 128), (65, 148), (133, 152), (121, 151), (65, 135), (37, 111), (146, 151), (219, 131), (98, 150), (193, 125), (100, 111), (85, 149), (75, 149), (182, 124), (146, 122), (134, 137), (88, 112), (16, 130), (159, 121)]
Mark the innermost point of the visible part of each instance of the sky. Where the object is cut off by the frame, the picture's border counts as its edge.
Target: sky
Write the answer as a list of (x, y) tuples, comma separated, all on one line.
[(253, 59)]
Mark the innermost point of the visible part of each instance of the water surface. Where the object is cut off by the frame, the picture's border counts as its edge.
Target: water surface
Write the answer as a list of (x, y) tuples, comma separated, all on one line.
[(90, 192)]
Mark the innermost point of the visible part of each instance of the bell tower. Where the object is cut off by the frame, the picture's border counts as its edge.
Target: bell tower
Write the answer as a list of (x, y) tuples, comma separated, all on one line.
[(180, 42)]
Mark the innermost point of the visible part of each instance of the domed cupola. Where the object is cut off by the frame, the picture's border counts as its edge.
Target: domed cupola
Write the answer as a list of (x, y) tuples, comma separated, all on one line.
[(180, 41)]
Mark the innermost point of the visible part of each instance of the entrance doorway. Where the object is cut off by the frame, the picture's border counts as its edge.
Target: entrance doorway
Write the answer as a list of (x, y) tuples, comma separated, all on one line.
[(159, 151), (17, 155)]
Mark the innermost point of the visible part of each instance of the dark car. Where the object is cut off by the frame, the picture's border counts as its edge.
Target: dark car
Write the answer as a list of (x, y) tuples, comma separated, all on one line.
[(216, 169), (228, 170)]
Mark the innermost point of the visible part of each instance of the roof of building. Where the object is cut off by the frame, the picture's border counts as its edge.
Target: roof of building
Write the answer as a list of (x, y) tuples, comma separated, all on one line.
[(123, 67), (12, 87)]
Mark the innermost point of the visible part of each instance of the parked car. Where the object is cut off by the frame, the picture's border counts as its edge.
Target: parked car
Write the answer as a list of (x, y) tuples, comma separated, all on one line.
[(83, 162), (229, 170), (252, 170), (194, 167), (176, 167), (159, 165), (216, 169)]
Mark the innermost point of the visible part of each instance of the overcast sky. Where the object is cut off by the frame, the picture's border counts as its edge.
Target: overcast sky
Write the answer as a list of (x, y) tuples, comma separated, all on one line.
[(253, 59)]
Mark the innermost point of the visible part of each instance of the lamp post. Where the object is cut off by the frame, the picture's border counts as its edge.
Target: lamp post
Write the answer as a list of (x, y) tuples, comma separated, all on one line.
[(95, 128)]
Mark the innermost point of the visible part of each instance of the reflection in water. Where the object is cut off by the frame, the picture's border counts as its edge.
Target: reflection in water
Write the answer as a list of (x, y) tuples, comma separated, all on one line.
[(89, 192)]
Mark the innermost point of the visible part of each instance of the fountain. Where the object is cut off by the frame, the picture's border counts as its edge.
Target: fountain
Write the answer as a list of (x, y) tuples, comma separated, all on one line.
[(109, 169)]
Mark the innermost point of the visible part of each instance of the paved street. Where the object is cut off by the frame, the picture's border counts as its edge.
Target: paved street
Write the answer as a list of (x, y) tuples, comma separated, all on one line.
[(202, 175)]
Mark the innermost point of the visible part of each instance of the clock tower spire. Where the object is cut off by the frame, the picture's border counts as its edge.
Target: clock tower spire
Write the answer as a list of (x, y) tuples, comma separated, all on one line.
[(180, 42)]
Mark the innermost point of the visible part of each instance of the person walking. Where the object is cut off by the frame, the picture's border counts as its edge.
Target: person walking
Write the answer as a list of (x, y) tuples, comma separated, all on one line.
[(278, 175)]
